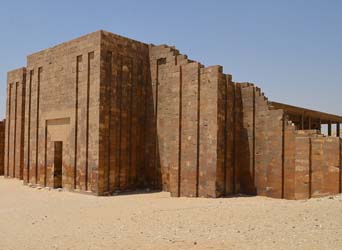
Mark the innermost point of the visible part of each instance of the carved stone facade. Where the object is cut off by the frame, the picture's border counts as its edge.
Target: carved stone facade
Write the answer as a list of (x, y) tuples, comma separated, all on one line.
[(15, 120), (103, 113), (2, 146)]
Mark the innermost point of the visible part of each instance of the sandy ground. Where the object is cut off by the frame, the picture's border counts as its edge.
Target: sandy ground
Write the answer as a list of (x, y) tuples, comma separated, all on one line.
[(32, 218)]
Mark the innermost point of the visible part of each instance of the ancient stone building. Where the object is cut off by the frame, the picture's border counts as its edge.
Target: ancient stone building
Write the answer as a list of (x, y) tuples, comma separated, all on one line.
[(103, 113)]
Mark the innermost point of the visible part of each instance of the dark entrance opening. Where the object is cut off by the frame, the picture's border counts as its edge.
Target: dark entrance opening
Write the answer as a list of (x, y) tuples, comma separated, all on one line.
[(57, 171)]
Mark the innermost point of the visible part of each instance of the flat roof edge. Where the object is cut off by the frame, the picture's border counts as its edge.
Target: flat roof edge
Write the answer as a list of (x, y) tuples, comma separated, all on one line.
[(307, 112)]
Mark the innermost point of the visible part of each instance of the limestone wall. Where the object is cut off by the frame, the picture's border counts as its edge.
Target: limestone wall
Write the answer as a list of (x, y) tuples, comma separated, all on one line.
[(2, 146), (14, 158), (258, 141), (126, 130), (129, 115), (217, 137), (276, 160), (62, 104), (189, 104), (317, 165)]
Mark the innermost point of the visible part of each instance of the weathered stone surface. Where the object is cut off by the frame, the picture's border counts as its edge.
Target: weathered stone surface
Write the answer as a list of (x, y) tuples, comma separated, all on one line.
[(14, 158), (103, 114), (124, 121), (2, 146)]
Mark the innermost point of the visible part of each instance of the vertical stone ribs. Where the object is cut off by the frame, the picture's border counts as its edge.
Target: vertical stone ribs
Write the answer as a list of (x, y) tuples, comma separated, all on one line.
[(58, 102), (131, 115), (45, 152), (124, 164), (264, 172), (257, 152), (14, 141), (27, 130), (190, 107), (125, 118), (28, 125), (212, 121), (122, 119), (198, 129), (230, 138), (37, 124), (15, 128), (109, 103), (174, 168), (190, 133), (82, 82), (119, 115), (245, 147), (78, 68), (8, 127), (90, 57), (156, 90), (2, 146)]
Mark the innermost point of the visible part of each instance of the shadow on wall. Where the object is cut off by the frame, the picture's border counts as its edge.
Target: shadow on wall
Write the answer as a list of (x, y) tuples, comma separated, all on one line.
[(152, 171), (245, 168)]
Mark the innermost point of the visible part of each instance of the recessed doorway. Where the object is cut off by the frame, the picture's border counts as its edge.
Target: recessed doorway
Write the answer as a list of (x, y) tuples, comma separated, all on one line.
[(58, 159)]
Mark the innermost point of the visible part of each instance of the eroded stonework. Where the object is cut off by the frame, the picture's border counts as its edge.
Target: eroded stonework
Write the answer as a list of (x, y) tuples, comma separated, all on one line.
[(2, 147), (103, 113)]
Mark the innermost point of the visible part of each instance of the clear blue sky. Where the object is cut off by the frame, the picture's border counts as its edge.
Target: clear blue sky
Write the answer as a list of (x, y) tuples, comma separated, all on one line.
[(291, 49)]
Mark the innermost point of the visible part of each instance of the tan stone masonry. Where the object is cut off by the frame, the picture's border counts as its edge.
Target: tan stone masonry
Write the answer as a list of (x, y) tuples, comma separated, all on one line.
[(103, 113)]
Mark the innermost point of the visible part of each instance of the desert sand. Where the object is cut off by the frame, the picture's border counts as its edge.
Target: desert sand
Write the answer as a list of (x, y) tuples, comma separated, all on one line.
[(32, 218)]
